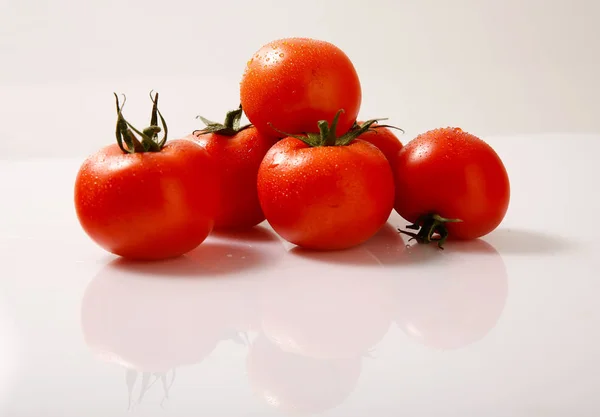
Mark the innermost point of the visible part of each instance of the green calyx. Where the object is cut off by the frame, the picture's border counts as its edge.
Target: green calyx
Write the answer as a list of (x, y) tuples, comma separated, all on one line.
[(327, 135), (230, 127), (149, 141), (430, 228), (374, 128)]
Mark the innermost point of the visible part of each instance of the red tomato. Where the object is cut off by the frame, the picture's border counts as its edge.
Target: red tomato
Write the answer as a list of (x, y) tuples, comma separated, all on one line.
[(383, 137), (294, 83), (147, 200), (455, 175), (238, 152), (328, 196)]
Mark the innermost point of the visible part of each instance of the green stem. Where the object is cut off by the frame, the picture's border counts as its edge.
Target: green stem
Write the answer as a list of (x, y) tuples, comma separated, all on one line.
[(378, 126), (327, 135), (327, 139), (232, 119), (230, 127), (126, 133), (430, 228), (153, 119), (330, 137)]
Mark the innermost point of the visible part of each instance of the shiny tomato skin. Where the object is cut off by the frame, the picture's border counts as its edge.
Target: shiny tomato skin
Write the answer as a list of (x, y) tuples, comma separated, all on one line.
[(238, 158), (294, 83), (385, 140), (326, 197), (151, 205), (456, 175)]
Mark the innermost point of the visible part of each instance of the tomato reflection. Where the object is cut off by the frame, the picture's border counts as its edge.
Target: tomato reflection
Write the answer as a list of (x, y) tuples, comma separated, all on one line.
[(326, 309), (155, 317), (454, 298), (299, 384)]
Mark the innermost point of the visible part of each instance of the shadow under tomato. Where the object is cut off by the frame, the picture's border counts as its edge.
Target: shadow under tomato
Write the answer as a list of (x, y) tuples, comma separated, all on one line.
[(377, 251), (392, 248), (356, 256), (527, 242), (256, 234), (210, 258), (386, 248)]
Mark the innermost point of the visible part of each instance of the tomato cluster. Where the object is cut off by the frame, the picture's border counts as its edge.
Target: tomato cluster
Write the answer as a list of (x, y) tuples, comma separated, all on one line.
[(322, 179)]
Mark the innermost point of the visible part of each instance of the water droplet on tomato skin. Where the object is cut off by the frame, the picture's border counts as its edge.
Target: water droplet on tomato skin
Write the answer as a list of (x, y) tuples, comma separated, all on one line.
[(281, 55)]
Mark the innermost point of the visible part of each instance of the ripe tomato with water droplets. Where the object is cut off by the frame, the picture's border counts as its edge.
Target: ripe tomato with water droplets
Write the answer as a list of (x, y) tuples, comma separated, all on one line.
[(238, 151), (450, 183), (147, 199), (387, 142), (325, 192), (294, 83)]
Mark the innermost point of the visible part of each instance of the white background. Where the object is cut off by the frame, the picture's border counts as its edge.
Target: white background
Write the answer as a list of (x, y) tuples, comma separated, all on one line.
[(492, 67), (523, 318)]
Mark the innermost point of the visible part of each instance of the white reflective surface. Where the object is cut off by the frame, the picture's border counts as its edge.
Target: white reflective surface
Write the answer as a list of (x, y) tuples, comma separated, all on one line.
[(247, 325)]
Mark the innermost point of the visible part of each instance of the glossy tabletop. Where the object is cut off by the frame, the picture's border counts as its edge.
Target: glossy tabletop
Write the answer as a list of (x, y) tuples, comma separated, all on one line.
[(248, 325)]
